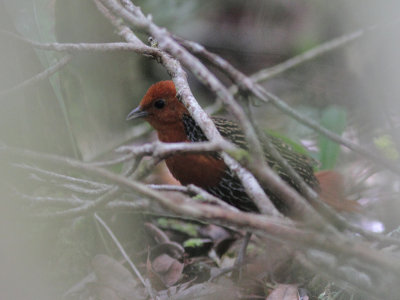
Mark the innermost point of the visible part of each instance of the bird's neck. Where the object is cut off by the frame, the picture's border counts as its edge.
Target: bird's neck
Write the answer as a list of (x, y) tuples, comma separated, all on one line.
[(186, 130), (173, 133)]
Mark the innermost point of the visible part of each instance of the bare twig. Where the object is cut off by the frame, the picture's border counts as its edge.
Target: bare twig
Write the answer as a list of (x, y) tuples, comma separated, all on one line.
[(337, 244), (313, 53), (280, 104), (93, 47), (163, 150), (193, 191), (350, 250), (37, 200), (145, 283), (115, 161), (90, 184), (138, 206), (317, 51), (90, 206), (38, 77), (87, 208)]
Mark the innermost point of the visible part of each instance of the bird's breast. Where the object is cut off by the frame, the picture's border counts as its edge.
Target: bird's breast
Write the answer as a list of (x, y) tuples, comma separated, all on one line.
[(202, 170)]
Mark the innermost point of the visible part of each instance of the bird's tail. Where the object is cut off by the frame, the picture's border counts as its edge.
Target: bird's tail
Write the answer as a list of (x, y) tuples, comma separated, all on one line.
[(332, 191)]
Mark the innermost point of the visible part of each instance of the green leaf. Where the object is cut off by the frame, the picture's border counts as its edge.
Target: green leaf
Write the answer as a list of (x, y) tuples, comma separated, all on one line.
[(334, 119), (386, 145), (184, 227), (193, 243)]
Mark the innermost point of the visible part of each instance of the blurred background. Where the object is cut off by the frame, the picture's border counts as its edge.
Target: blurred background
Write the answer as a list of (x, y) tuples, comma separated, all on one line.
[(80, 110)]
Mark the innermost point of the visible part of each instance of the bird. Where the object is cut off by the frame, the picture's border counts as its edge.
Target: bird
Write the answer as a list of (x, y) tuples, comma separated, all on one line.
[(163, 110)]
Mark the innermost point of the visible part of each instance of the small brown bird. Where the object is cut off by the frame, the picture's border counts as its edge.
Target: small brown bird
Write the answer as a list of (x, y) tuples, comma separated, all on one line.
[(173, 123)]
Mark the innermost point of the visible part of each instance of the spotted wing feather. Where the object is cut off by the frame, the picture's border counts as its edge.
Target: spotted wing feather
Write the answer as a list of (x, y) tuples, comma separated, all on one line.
[(230, 188)]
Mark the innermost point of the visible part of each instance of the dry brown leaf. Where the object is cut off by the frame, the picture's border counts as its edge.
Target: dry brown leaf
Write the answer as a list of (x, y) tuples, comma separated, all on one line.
[(168, 269), (221, 237)]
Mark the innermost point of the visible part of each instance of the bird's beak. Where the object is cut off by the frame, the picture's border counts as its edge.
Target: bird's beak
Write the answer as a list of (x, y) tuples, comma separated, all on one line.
[(137, 113)]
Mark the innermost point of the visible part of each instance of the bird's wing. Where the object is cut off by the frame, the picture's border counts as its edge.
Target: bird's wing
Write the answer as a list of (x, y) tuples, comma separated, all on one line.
[(302, 164), (231, 131)]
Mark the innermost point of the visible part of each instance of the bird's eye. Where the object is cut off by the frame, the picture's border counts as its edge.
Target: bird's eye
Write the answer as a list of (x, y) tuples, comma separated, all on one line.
[(160, 103)]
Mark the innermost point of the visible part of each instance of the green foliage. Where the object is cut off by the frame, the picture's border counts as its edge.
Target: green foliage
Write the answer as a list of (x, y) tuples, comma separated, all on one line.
[(386, 145), (193, 243), (334, 119), (185, 227)]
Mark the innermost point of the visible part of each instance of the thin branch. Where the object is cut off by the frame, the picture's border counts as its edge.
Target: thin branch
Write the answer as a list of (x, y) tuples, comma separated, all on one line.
[(38, 77), (123, 30), (106, 198), (90, 184), (93, 47), (85, 209), (313, 53), (207, 197), (317, 51), (162, 150), (88, 207), (36, 200), (145, 168), (337, 244), (171, 188), (145, 283), (257, 193), (281, 105), (70, 184), (193, 190), (115, 161), (138, 206)]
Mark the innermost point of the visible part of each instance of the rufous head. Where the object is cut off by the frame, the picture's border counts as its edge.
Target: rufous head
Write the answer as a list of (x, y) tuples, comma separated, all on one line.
[(160, 106)]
